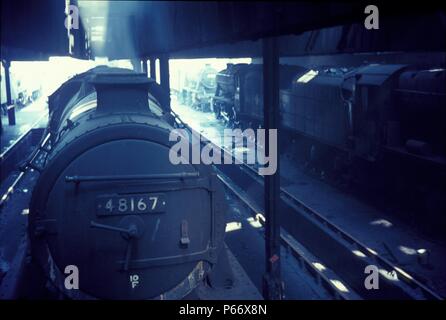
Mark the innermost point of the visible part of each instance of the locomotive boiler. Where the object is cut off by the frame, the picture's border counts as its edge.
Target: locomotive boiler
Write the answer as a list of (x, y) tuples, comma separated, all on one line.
[(109, 202)]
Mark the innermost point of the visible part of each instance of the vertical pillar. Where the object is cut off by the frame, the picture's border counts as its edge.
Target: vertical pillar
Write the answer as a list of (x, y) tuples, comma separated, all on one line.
[(144, 65), (136, 65), (164, 75), (272, 283), (153, 68), (10, 106)]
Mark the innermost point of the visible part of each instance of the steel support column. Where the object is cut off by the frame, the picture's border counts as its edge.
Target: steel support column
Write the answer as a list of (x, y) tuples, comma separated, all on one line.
[(10, 106), (164, 75), (144, 65), (153, 68), (272, 283), (136, 63)]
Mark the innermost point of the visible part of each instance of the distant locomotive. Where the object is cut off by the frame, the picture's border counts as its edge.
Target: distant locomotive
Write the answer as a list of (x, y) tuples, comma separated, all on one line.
[(109, 202), (227, 92), (238, 96), (370, 109), (377, 120), (198, 93), (360, 110)]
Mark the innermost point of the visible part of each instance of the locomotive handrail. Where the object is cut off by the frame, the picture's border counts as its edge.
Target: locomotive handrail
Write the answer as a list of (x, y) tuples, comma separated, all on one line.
[(129, 231), (28, 163), (209, 254), (181, 175)]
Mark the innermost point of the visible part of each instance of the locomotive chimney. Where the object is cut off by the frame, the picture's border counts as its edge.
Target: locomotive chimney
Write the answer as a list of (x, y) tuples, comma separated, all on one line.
[(117, 92)]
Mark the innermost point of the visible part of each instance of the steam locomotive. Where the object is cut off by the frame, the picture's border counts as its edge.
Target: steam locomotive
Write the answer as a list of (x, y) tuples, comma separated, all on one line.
[(360, 110), (357, 109), (386, 120), (110, 203), (198, 93)]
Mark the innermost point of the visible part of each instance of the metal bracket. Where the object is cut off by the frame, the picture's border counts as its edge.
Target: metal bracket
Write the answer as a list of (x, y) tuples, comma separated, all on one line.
[(184, 240)]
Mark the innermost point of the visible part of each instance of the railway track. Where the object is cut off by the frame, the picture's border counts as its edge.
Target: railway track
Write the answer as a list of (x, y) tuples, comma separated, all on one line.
[(336, 259), (11, 159), (307, 263)]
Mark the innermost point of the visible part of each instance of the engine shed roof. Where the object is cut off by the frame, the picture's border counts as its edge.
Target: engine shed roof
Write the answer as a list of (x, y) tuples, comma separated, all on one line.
[(34, 30)]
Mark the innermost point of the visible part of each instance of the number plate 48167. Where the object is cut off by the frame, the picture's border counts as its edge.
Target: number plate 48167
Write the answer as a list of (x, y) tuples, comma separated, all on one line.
[(130, 204)]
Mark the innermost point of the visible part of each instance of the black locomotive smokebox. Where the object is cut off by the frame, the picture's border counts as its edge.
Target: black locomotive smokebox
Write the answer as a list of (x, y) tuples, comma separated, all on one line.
[(109, 201)]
